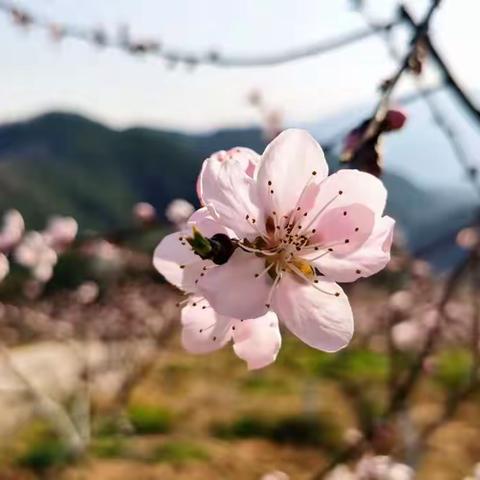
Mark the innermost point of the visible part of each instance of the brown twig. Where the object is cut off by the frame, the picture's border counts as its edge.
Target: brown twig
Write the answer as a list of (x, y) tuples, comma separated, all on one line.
[(99, 38)]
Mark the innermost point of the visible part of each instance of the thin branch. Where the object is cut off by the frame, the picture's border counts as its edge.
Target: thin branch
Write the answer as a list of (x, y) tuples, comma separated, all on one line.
[(100, 38)]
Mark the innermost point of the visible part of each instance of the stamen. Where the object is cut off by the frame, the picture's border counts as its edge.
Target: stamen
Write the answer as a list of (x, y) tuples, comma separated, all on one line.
[(256, 250), (257, 275), (319, 256), (311, 282), (317, 215), (278, 277)]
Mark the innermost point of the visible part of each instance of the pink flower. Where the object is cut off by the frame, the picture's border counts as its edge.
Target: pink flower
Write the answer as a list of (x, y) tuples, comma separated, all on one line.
[(4, 266), (382, 468), (257, 341), (36, 254), (60, 232), (145, 212), (296, 233), (12, 230)]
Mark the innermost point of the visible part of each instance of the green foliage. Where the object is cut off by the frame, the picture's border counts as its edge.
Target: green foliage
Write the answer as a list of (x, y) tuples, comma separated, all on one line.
[(356, 366), (108, 447), (179, 452), (264, 383), (350, 365), (44, 453), (453, 368), (147, 419), (295, 430)]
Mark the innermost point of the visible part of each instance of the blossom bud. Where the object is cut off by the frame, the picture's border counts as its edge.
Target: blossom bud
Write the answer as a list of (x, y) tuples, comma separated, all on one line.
[(178, 211), (468, 238), (144, 212), (394, 120)]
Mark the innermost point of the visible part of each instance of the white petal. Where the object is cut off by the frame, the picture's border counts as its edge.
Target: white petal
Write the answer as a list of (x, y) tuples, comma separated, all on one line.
[(203, 330), (229, 193), (232, 289), (347, 187), (322, 320), (371, 257), (286, 168), (257, 340)]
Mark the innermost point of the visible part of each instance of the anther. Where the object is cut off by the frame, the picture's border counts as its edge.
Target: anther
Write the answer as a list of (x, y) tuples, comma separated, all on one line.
[(347, 240), (340, 192), (314, 172)]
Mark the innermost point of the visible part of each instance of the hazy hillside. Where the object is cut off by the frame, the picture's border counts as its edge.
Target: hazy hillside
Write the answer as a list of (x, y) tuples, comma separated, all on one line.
[(63, 163)]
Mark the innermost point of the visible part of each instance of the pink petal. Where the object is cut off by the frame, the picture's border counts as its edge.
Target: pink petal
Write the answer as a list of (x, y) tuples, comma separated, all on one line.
[(344, 229), (286, 167), (347, 187), (257, 340), (321, 320), (209, 226), (175, 260), (203, 329), (228, 192), (367, 260), (232, 289)]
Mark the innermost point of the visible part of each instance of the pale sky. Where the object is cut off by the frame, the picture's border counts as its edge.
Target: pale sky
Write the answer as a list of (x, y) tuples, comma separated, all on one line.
[(37, 75)]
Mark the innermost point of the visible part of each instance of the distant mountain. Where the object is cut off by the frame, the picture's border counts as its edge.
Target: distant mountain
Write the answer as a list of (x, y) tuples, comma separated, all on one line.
[(66, 164)]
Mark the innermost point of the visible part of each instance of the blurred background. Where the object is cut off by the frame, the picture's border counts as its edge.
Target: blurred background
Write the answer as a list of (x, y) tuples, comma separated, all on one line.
[(107, 110)]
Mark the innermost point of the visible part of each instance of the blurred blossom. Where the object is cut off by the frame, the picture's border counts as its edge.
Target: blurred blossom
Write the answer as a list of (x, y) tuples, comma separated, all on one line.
[(32, 289), (144, 212), (341, 472), (35, 253), (421, 269), (273, 124), (408, 335), (4, 266), (275, 475), (382, 468), (178, 211), (468, 238), (352, 436), (12, 230), (476, 473), (87, 292), (401, 301), (429, 366), (60, 232), (255, 97)]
